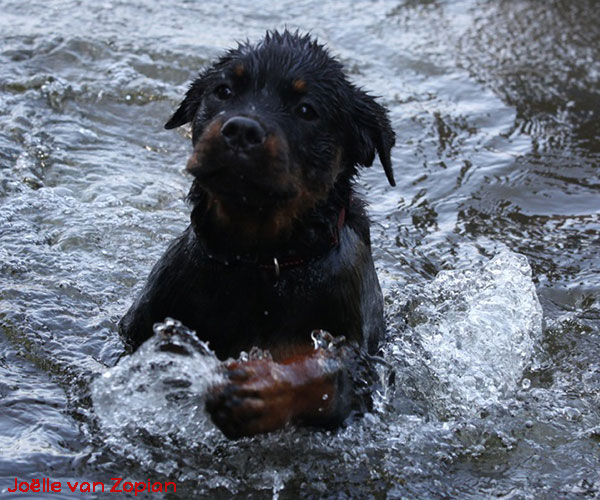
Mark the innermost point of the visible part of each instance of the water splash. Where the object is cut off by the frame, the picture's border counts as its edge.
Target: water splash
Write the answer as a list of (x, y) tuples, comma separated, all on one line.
[(470, 334), (155, 397)]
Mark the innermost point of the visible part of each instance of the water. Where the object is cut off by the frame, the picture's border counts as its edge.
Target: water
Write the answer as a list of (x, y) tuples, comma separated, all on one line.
[(157, 396), (496, 109)]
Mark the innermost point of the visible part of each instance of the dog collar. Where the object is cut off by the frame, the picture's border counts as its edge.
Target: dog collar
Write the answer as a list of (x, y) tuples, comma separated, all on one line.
[(276, 264)]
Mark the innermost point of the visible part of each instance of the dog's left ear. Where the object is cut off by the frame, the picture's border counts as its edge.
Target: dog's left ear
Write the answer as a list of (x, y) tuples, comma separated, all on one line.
[(372, 132), (188, 107)]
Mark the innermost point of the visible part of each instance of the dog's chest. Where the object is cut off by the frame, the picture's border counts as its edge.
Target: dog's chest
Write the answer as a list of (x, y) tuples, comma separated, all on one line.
[(238, 306)]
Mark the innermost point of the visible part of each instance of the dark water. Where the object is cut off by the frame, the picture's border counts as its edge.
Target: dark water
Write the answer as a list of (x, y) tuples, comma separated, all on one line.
[(496, 106)]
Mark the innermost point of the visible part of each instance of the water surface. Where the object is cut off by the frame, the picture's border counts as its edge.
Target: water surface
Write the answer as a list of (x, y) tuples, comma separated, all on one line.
[(496, 109)]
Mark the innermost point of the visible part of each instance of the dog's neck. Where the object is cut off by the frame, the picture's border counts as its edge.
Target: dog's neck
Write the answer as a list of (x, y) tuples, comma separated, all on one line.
[(263, 234)]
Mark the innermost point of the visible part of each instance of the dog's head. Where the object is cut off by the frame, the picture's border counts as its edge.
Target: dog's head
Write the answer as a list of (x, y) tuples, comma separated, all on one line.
[(277, 125)]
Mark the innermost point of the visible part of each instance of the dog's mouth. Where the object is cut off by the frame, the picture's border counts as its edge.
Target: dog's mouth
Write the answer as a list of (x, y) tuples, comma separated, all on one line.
[(257, 175), (240, 188)]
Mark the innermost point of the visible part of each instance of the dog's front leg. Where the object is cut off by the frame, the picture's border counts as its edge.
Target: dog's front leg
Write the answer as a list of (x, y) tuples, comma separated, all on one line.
[(262, 395)]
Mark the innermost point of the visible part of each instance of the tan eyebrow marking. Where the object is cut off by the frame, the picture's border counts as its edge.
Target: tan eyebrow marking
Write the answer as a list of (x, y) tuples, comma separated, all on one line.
[(239, 70), (299, 85)]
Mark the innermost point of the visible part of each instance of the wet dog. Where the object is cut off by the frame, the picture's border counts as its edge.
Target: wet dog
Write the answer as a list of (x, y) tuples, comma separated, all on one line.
[(279, 246)]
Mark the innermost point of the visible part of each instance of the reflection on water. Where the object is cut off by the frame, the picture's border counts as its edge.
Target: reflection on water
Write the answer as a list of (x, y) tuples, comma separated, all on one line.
[(495, 105)]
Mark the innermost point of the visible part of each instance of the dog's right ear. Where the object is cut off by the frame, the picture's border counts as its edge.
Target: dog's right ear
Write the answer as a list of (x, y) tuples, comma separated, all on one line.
[(188, 107)]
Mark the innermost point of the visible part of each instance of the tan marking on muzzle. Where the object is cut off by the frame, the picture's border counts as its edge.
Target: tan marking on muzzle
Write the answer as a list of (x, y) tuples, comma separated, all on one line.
[(211, 133), (274, 146)]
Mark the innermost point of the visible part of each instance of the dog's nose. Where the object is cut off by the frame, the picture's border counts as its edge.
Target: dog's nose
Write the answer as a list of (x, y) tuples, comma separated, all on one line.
[(242, 133)]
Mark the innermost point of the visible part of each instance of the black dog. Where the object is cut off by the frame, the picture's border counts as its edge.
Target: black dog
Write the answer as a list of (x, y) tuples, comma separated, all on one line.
[(279, 243)]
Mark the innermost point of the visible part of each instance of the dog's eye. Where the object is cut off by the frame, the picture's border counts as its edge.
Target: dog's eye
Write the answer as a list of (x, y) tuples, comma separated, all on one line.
[(307, 112), (223, 92)]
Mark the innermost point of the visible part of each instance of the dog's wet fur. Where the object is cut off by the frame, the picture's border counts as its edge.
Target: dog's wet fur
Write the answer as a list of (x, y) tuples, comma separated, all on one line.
[(279, 243)]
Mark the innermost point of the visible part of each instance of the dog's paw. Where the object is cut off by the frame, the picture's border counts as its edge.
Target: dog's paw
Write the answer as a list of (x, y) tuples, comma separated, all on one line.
[(258, 398)]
